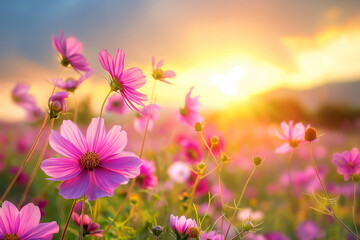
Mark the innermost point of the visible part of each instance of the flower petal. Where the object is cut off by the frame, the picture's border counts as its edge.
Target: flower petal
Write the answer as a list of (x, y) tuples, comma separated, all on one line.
[(121, 161), (63, 146), (43, 231), (169, 74), (95, 191), (9, 216), (75, 187), (119, 62), (95, 134), (114, 143), (72, 132), (107, 62), (29, 217), (61, 169)]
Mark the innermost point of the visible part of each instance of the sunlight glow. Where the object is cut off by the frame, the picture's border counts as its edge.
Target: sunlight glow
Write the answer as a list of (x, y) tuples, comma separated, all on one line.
[(227, 83)]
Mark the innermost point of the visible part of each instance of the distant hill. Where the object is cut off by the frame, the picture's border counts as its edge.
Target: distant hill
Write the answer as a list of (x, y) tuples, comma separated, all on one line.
[(340, 93)]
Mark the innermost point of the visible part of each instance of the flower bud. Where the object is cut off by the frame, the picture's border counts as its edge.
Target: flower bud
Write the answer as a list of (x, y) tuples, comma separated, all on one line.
[(57, 104), (310, 134), (194, 232), (214, 140), (248, 226), (224, 157), (184, 197), (356, 177), (157, 231), (134, 199), (201, 166), (198, 127), (257, 160)]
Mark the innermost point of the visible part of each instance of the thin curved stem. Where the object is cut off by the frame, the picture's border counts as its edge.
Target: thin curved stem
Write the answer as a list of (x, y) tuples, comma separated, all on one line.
[(76, 108), (26, 160), (82, 219), (140, 156), (148, 119), (68, 220), (354, 210), (332, 212), (238, 203), (37, 165), (209, 149), (221, 188), (102, 106), (57, 78)]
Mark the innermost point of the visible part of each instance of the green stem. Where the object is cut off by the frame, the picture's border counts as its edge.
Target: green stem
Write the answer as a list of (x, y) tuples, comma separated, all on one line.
[(354, 210), (332, 212)]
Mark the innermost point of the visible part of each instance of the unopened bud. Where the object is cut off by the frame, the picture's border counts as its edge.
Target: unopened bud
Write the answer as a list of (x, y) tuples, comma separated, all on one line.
[(258, 160), (310, 134), (201, 166), (214, 140), (134, 199), (198, 127), (157, 231), (248, 226), (356, 177), (224, 157)]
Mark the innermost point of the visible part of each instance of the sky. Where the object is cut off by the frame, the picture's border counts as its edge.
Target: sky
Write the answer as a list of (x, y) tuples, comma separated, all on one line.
[(230, 50)]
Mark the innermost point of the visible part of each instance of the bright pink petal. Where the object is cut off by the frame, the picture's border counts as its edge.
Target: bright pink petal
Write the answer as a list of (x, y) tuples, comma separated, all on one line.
[(153, 62), (61, 168), (133, 77), (169, 74), (284, 148), (72, 132), (75, 187), (64, 146), (95, 191), (9, 216), (119, 62), (107, 62), (29, 218), (73, 46), (43, 231), (107, 179), (114, 143), (95, 134), (122, 161), (160, 64)]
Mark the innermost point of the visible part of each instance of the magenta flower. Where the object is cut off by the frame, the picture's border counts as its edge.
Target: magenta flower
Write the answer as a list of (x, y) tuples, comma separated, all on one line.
[(348, 163), (71, 84), (292, 135), (189, 114), (89, 227), (159, 74), (57, 104), (70, 50), (141, 119), (26, 101), (180, 226), (24, 224), (211, 236), (203, 186), (179, 172), (95, 165), (116, 104), (124, 82), (309, 230), (191, 150), (147, 178)]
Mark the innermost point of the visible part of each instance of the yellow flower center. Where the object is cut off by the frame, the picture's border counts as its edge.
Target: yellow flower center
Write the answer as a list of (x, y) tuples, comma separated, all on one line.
[(11, 237), (158, 74)]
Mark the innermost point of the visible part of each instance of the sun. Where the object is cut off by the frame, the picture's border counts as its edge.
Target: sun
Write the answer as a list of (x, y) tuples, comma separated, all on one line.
[(227, 83)]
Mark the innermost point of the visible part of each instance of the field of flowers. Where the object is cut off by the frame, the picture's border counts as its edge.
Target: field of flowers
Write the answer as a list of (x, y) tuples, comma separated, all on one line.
[(142, 171)]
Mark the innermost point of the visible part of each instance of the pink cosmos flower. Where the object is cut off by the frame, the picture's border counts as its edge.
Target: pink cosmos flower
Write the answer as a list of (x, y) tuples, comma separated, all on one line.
[(211, 236), (348, 163), (203, 186), (159, 74), (309, 230), (181, 225), (57, 104), (147, 178), (26, 101), (116, 104), (140, 120), (179, 172), (247, 214), (95, 165), (124, 82), (24, 224), (292, 135), (71, 84), (70, 50), (191, 150), (90, 228), (189, 114)]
